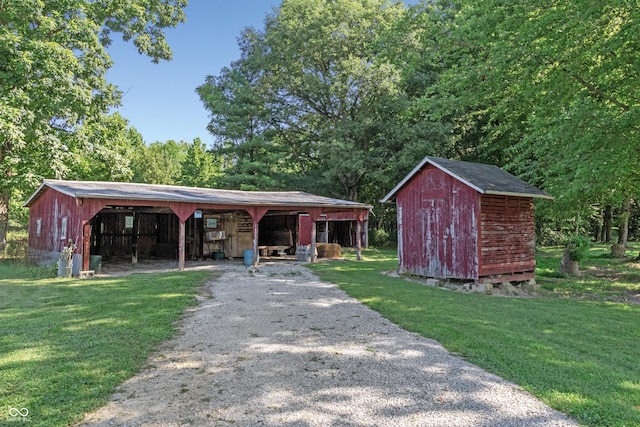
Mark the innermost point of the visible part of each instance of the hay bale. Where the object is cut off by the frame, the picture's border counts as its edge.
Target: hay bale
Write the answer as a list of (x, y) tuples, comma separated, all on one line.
[(328, 250)]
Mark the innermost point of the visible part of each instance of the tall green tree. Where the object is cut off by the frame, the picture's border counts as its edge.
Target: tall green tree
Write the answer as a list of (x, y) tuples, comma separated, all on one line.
[(103, 149), (413, 45), (199, 168), (550, 90), (327, 98), (159, 163), (53, 62), (324, 63), (243, 122)]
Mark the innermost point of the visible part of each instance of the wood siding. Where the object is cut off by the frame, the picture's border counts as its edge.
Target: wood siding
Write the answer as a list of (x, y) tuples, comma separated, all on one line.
[(507, 235), (47, 218), (437, 229)]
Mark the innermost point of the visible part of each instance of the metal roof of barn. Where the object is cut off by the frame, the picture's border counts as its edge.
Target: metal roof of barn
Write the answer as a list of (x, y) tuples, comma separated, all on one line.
[(172, 193), (484, 178)]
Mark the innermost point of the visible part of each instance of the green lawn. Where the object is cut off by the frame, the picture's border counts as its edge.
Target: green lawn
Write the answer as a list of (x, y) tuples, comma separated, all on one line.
[(66, 343), (603, 277), (571, 348)]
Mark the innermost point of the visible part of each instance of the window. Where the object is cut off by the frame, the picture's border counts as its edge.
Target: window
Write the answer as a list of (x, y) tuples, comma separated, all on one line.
[(38, 226)]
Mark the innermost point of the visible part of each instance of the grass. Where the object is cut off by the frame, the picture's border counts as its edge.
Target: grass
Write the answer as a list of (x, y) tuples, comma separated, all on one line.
[(577, 354), (603, 277), (65, 344)]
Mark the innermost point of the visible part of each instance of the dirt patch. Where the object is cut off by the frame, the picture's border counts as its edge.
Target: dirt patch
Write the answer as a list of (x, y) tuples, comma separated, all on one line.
[(123, 268), (614, 293)]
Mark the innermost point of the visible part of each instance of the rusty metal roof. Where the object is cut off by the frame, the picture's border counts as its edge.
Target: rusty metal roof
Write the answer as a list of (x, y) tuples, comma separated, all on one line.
[(172, 193), (485, 179)]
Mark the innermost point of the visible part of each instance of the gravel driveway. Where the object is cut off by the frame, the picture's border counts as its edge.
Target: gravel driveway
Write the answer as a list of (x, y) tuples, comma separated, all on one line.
[(277, 347)]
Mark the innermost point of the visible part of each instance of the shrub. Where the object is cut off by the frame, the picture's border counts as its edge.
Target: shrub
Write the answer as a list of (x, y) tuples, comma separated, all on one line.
[(578, 247), (379, 238)]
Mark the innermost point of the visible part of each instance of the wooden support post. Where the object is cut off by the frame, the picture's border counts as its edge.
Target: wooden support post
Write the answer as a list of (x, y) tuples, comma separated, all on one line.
[(255, 234), (313, 239), (314, 213), (359, 239), (256, 215), (134, 239), (86, 244), (183, 211), (181, 246)]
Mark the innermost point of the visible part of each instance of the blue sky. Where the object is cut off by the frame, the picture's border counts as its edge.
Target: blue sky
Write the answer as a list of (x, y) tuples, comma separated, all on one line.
[(159, 99)]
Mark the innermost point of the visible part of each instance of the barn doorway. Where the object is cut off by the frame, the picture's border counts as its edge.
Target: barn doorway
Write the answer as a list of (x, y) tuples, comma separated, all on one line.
[(278, 234), (126, 233)]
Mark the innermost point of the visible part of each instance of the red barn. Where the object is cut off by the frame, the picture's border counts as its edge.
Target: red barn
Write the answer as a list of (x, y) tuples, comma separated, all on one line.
[(128, 220), (467, 221)]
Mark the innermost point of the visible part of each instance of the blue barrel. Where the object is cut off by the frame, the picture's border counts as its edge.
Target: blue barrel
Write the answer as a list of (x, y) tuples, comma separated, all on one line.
[(248, 257)]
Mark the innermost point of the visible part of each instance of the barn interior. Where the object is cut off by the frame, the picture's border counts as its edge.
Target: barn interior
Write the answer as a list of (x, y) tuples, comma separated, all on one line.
[(133, 233), (340, 232)]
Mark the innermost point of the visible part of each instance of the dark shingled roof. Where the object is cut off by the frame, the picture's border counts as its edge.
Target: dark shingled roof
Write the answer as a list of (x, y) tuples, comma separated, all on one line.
[(486, 179), (174, 193)]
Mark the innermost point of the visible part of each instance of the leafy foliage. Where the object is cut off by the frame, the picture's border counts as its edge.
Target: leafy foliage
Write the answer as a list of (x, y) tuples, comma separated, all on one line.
[(315, 95), (578, 247), (159, 163), (550, 91), (103, 149), (242, 124), (52, 79), (199, 168)]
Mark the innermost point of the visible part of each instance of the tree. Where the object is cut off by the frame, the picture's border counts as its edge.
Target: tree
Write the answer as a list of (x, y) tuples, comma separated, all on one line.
[(53, 62), (551, 89), (327, 99), (159, 163), (332, 89), (243, 122), (103, 149), (199, 168)]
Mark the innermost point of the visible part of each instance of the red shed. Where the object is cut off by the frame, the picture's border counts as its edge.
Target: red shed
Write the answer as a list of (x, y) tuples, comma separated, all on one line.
[(467, 221)]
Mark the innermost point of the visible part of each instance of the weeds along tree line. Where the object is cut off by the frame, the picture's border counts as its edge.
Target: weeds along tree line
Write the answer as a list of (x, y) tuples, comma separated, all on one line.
[(343, 98)]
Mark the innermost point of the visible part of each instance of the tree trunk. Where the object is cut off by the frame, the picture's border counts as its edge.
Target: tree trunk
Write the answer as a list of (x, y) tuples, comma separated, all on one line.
[(350, 185), (623, 235), (618, 250), (606, 225), (4, 219), (567, 265), (597, 230)]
